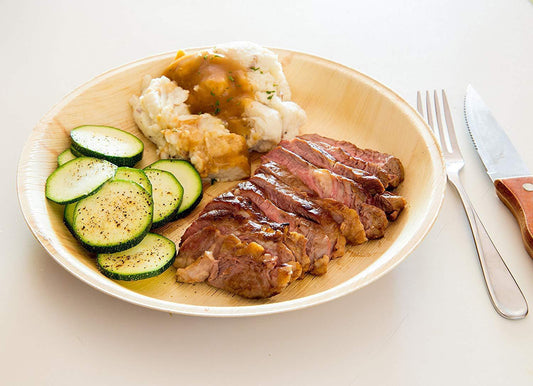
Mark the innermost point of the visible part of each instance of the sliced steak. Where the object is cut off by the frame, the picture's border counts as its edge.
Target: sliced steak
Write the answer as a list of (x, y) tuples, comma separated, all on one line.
[(241, 268), (244, 207), (390, 203), (329, 185), (347, 218), (228, 222), (390, 164), (374, 221), (315, 179), (289, 200), (195, 245), (334, 186), (317, 156), (308, 198), (240, 206), (319, 247)]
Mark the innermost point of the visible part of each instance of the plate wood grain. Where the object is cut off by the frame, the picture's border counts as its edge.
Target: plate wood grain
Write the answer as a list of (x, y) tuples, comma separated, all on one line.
[(340, 103)]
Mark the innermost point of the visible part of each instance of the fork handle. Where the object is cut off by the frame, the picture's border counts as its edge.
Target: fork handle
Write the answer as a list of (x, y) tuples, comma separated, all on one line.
[(505, 295), (517, 194)]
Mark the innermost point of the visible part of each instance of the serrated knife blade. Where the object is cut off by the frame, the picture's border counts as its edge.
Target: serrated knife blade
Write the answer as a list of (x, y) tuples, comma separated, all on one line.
[(511, 176), (494, 146)]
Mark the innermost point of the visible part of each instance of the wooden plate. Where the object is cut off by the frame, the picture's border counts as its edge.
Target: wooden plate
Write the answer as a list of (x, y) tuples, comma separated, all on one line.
[(340, 103)]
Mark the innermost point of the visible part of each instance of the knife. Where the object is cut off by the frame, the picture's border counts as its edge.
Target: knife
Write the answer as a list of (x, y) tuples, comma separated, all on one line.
[(510, 175)]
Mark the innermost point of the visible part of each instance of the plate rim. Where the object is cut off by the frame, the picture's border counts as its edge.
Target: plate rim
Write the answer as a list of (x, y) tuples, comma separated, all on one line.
[(109, 287)]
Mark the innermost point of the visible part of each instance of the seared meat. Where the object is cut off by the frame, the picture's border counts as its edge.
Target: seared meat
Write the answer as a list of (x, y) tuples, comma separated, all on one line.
[(207, 239), (390, 164), (241, 268), (247, 230), (391, 204), (348, 219), (319, 246), (287, 199), (241, 207), (308, 198), (321, 181), (317, 156), (330, 185), (244, 207)]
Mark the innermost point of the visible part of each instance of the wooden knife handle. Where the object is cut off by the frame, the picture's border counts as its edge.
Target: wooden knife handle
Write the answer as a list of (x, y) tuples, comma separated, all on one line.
[(517, 194)]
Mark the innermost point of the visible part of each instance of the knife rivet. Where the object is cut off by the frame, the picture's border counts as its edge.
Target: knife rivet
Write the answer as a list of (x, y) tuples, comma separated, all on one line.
[(528, 187)]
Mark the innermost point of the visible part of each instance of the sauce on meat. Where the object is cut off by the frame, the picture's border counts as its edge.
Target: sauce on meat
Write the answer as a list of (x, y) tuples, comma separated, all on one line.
[(217, 85)]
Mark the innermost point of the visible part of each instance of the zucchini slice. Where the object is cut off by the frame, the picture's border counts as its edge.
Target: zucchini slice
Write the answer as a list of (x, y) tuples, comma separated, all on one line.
[(109, 143), (77, 179), (64, 157), (68, 216), (188, 177), (135, 175), (167, 194), (115, 218), (75, 152), (151, 257)]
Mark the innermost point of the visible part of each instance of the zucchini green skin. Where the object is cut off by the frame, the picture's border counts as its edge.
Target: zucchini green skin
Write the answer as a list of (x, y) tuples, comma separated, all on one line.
[(51, 180), (75, 152), (68, 216), (65, 156), (152, 175), (119, 160), (190, 179), (110, 264), (135, 175), (94, 210)]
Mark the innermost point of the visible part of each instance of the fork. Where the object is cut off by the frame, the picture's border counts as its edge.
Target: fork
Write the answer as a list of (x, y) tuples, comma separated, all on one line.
[(504, 293)]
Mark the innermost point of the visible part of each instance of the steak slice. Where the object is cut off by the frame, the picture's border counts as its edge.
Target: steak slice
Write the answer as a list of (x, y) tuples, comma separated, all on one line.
[(241, 206), (287, 199), (195, 245), (347, 218), (390, 164), (228, 222), (244, 207), (241, 268), (317, 156), (391, 204), (330, 185), (319, 247)]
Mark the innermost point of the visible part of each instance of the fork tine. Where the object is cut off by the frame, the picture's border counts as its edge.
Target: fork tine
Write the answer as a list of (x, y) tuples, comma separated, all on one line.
[(443, 143), (419, 104), (428, 109), (452, 137)]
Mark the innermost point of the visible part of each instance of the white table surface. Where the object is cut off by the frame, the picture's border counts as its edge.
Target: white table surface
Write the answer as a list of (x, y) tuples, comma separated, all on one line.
[(428, 322)]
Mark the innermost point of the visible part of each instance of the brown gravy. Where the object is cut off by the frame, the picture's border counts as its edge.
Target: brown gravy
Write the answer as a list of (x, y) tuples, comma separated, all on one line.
[(217, 85)]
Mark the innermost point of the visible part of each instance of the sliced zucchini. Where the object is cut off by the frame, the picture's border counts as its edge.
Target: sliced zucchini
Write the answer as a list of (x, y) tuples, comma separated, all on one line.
[(68, 215), (109, 143), (188, 177), (167, 194), (75, 152), (64, 157), (151, 257), (115, 218), (77, 179), (135, 175)]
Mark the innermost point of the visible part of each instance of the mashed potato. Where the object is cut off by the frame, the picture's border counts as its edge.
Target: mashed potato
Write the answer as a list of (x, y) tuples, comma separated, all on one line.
[(212, 107)]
